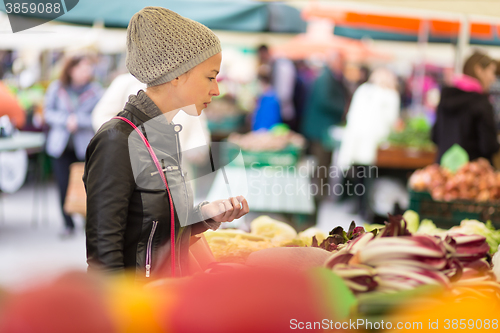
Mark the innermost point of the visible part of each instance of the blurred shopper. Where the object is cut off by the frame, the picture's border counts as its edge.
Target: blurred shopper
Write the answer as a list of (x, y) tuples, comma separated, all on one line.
[(283, 79), (464, 114), (304, 80), (495, 95), (68, 105), (374, 110), (114, 98), (325, 108), (140, 211), (267, 110)]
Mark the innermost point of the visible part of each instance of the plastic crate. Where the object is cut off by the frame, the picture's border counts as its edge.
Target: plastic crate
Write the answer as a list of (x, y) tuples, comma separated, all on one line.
[(226, 124), (447, 214), (286, 157)]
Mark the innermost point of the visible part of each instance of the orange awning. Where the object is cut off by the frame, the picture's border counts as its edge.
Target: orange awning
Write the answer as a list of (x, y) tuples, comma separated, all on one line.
[(396, 23)]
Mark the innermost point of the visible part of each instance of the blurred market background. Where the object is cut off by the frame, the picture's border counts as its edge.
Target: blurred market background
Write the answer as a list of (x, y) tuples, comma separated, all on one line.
[(347, 87)]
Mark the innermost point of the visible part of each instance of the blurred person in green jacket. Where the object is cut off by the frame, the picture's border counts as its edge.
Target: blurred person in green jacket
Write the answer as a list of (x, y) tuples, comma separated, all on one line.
[(325, 107)]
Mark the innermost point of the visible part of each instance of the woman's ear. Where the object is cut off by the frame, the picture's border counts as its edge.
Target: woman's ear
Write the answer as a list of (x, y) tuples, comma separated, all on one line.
[(175, 82)]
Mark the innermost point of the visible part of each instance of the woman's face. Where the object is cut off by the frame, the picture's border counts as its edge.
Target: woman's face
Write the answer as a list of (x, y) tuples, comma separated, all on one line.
[(81, 74), (196, 88), (486, 75)]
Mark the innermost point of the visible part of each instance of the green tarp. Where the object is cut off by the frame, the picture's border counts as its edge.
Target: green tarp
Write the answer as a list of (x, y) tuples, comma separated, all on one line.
[(236, 15)]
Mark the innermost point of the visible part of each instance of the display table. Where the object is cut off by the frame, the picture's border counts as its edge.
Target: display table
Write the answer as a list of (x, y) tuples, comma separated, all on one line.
[(23, 140), (266, 190), (404, 158), (269, 189), (32, 142)]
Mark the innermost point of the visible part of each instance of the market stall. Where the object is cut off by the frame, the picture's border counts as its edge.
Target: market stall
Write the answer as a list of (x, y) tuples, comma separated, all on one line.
[(438, 261), (408, 146), (448, 196), (275, 174), (288, 280)]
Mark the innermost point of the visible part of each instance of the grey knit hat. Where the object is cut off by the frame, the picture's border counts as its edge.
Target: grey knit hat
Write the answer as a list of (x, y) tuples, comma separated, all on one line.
[(162, 45)]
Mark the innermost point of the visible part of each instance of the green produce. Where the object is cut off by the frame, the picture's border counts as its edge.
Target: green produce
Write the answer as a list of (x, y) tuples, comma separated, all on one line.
[(466, 227), (393, 259), (428, 227), (412, 219), (474, 227), (415, 134), (378, 303)]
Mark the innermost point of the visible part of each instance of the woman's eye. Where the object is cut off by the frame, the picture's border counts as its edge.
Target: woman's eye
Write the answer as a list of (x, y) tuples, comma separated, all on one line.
[(211, 78)]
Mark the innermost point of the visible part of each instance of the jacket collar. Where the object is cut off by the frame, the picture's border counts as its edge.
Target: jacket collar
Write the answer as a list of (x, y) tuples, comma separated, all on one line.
[(467, 83), (145, 104)]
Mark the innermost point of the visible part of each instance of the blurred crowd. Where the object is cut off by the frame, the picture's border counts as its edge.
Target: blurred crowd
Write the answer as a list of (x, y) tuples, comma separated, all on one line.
[(68, 101)]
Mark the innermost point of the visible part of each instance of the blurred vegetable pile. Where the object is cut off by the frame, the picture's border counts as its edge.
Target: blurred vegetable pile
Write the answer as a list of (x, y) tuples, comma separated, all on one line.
[(412, 133), (278, 138), (221, 108), (230, 245), (475, 181), (393, 259), (404, 254)]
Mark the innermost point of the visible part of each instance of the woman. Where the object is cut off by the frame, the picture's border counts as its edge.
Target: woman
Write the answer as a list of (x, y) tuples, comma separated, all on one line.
[(465, 114), (129, 208), (68, 105)]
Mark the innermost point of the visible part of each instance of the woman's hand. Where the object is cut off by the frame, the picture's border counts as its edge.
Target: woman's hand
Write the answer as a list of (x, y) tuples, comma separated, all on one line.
[(72, 123), (226, 210)]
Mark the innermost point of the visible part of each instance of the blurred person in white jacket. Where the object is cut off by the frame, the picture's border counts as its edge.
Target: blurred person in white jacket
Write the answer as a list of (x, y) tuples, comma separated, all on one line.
[(374, 110)]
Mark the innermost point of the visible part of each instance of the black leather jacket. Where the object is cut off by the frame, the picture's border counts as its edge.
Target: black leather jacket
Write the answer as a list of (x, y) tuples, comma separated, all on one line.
[(128, 212), (466, 118)]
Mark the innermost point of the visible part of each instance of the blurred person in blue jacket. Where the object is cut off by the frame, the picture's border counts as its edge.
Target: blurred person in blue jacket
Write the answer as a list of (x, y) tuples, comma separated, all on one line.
[(69, 102), (267, 110)]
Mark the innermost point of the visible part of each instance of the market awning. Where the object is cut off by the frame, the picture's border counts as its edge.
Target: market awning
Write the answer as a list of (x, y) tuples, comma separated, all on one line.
[(241, 15), (399, 27), (309, 44)]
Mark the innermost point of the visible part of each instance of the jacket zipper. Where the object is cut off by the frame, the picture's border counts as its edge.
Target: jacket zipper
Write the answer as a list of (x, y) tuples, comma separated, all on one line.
[(179, 156), (148, 250)]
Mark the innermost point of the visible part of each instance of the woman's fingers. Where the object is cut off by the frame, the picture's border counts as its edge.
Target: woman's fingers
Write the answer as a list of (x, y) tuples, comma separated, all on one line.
[(236, 209), (231, 209), (220, 209), (228, 208), (244, 207)]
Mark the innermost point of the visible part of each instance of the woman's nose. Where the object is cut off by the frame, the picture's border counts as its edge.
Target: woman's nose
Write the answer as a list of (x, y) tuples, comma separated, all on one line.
[(215, 91)]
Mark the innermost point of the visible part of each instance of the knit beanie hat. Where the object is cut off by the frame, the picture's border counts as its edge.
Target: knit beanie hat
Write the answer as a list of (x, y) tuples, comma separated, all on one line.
[(162, 45)]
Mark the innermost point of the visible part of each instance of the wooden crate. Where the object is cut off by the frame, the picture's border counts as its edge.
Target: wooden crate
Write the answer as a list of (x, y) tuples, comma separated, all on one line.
[(404, 158)]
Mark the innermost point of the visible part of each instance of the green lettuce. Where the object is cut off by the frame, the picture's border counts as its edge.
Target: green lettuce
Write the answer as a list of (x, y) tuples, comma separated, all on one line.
[(475, 227)]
